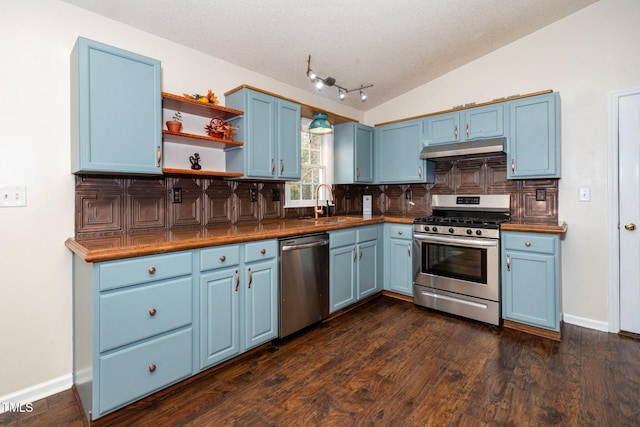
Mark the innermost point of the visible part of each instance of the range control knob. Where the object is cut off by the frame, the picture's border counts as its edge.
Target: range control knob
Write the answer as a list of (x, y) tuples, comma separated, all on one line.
[(479, 232), (434, 229), (469, 231), (451, 230)]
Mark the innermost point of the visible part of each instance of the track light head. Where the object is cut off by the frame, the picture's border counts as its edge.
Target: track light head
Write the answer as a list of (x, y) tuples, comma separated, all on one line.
[(363, 96), (312, 76), (342, 94), (319, 83)]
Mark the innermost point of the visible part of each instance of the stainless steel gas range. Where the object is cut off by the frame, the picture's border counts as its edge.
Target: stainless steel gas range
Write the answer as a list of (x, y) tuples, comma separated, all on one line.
[(456, 256)]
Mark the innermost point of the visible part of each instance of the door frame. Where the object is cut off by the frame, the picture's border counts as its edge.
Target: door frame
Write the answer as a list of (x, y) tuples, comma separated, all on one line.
[(613, 216)]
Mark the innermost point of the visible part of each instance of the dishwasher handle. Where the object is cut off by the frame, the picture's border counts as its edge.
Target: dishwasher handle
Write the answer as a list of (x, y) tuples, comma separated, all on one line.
[(304, 245)]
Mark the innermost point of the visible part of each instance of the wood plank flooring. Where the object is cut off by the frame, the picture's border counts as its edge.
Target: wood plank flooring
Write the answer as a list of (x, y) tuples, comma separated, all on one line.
[(389, 363)]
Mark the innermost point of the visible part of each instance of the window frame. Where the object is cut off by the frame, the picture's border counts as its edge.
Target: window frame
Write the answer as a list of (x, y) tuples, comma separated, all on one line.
[(326, 155)]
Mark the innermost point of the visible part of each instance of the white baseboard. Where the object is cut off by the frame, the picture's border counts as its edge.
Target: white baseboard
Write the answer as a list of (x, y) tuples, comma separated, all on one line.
[(586, 323), (37, 392)]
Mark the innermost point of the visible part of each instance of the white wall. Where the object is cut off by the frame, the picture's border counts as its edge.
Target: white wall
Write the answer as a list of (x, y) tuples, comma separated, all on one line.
[(35, 267), (583, 56)]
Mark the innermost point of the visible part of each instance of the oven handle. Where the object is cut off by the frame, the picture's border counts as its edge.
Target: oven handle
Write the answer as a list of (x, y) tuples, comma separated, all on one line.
[(485, 243), (459, 301)]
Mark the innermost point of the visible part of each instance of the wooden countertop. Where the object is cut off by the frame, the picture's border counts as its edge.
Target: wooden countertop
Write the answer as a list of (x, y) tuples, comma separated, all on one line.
[(560, 228), (108, 248)]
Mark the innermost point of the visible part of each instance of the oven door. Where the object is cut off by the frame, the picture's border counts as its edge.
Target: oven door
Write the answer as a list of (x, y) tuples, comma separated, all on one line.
[(468, 266)]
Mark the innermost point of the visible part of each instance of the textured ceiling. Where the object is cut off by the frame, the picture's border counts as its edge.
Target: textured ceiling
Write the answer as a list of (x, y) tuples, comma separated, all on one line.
[(396, 45)]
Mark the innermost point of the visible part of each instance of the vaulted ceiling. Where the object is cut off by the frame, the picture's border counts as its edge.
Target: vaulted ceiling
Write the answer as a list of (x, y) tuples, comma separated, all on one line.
[(396, 45)]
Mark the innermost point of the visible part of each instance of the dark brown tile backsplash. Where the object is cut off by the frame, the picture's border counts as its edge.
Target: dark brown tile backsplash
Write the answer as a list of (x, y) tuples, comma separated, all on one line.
[(110, 205)]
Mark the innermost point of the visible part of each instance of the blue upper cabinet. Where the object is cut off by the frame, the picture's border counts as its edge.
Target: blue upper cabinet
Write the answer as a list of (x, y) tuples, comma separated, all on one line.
[(352, 153), (116, 110), (533, 148), (398, 148), (270, 129), (473, 123)]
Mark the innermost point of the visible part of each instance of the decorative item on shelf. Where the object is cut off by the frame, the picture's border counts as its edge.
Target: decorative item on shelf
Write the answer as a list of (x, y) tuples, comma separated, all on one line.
[(218, 128), (175, 124), (321, 82), (209, 98), (195, 162)]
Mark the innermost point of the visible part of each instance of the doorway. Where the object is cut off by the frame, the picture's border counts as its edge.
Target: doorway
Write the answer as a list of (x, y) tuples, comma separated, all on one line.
[(624, 211)]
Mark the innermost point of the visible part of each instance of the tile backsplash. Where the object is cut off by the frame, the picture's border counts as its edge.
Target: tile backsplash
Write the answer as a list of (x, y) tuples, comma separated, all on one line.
[(107, 205)]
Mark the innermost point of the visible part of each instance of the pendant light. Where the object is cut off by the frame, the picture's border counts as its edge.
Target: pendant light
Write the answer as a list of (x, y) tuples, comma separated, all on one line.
[(320, 125)]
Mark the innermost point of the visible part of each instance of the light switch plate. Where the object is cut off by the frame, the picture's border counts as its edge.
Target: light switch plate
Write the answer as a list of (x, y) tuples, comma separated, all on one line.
[(13, 196), (585, 195)]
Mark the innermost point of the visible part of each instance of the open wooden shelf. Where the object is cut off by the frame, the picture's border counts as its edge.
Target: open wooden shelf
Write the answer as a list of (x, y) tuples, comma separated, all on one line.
[(201, 172), (190, 106), (200, 140)]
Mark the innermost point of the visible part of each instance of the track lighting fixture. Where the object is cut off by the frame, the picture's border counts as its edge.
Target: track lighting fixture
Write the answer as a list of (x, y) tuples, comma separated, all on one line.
[(330, 81)]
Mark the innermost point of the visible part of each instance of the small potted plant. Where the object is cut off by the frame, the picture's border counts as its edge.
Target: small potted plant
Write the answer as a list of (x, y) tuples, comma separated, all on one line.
[(175, 124)]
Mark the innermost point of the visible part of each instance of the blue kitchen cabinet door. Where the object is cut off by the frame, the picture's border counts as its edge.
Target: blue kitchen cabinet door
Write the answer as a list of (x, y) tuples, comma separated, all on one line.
[(398, 147), (400, 266), (116, 110), (261, 303), (342, 277), (442, 128), (270, 129), (219, 316), (531, 279), (288, 140), (367, 274), (484, 122), (533, 148), (352, 153)]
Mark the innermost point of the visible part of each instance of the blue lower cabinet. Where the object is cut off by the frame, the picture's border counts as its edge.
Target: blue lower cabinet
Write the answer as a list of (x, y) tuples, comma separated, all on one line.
[(398, 258), (238, 300), (354, 264), (531, 279), (133, 328)]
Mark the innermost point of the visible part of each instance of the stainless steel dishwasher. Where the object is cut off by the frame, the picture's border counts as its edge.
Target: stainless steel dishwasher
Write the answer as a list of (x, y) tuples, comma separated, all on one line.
[(304, 282)]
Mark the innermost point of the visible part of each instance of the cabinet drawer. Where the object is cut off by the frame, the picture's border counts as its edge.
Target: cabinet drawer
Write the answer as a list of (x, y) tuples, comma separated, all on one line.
[(342, 238), (257, 251), (140, 312), (117, 274), (530, 242), (127, 375), (367, 233), (401, 232), (219, 257)]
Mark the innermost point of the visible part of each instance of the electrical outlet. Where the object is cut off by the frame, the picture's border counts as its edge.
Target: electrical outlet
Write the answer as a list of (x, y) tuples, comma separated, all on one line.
[(176, 195), (275, 195), (541, 194), (408, 195), (13, 196), (253, 195)]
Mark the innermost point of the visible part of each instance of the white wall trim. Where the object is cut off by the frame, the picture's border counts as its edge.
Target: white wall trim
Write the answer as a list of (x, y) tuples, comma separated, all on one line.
[(598, 325), (613, 214), (38, 391)]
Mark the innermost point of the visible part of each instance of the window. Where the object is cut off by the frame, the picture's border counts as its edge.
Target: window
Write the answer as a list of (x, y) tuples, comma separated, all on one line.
[(316, 153)]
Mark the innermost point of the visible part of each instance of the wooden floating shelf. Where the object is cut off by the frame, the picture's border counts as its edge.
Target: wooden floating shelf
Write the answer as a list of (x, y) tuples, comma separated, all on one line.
[(190, 106), (200, 140), (202, 172)]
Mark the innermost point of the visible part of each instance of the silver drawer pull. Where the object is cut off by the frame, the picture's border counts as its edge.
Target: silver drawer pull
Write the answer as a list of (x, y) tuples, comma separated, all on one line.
[(223, 258), (152, 312), (152, 270), (400, 232), (527, 244), (263, 251), (152, 368)]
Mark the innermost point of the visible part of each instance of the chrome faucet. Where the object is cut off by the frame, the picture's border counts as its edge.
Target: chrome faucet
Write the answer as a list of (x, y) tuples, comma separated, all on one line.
[(317, 210)]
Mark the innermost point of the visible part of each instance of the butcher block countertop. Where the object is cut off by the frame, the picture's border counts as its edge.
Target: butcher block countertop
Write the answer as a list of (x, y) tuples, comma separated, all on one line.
[(560, 228), (108, 248)]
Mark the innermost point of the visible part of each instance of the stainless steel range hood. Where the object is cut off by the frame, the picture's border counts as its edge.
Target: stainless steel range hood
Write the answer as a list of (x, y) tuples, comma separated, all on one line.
[(478, 147)]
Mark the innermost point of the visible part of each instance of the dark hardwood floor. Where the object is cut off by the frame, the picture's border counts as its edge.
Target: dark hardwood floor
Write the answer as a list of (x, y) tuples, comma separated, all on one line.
[(389, 363)]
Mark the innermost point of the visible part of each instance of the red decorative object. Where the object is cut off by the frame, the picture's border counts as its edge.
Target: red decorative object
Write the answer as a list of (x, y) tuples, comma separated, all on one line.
[(218, 128)]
